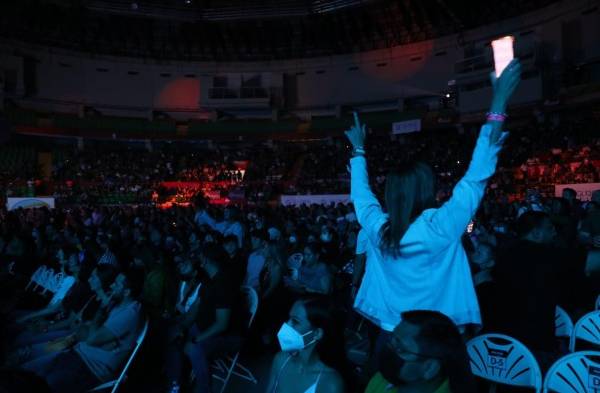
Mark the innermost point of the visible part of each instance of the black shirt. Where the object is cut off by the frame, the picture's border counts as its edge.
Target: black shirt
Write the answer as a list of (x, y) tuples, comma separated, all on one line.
[(236, 267), (220, 292), (530, 279)]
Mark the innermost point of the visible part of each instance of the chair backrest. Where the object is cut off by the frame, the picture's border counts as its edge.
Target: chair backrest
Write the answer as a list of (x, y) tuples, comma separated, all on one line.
[(251, 302), (574, 373), (36, 277), (138, 344), (562, 323), (504, 360), (587, 328), (47, 279)]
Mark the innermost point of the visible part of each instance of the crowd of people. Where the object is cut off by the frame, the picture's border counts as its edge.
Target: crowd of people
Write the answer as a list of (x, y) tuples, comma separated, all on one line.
[(541, 153), (172, 258), (423, 266)]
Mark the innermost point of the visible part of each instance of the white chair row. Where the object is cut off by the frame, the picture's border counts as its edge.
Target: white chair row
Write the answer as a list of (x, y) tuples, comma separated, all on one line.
[(587, 328), (45, 278), (503, 360)]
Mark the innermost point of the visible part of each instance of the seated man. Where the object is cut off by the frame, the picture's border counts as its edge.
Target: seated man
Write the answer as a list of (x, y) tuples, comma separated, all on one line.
[(82, 312), (425, 354), (214, 327), (532, 278), (97, 357)]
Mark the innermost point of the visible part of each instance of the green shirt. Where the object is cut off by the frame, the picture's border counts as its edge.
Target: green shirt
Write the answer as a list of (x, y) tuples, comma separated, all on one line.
[(378, 384)]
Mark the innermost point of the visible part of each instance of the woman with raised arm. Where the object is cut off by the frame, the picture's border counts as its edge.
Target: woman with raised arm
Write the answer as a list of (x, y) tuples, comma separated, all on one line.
[(415, 257)]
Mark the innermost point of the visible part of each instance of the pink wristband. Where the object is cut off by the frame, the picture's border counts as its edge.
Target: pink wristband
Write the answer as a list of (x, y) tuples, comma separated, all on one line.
[(492, 116)]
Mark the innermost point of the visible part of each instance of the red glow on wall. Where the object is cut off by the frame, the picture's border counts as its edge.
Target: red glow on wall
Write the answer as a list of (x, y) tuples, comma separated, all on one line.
[(401, 63), (179, 93)]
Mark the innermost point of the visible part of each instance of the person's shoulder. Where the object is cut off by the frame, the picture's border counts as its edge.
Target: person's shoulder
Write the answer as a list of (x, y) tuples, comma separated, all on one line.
[(133, 307), (279, 358), (331, 381)]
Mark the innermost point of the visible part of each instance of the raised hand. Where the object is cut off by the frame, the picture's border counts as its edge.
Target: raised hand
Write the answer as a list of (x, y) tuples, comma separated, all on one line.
[(505, 86), (356, 134)]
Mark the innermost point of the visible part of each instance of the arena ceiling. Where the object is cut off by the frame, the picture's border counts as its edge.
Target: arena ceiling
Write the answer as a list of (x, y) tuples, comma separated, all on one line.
[(244, 30)]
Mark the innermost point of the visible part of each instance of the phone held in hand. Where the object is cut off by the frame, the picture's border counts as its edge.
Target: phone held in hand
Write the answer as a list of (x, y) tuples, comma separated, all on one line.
[(503, 53)]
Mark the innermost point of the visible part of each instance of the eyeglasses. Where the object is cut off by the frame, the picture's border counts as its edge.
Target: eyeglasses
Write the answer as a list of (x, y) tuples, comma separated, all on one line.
[(395, 345)]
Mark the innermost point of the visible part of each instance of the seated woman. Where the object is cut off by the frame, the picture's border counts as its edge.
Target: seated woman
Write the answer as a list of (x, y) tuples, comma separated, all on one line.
[(313, 276), (312, 351)]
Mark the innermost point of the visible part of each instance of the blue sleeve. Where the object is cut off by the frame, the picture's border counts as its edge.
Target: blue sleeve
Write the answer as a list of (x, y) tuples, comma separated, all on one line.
[(368, 210), (239, 233), (206, 218), (451, 219)]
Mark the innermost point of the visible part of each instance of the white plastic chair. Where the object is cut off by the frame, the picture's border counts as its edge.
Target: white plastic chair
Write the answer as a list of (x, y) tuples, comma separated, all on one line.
[(562, 323), (36, 277), (587, 329), (229, 366), (574, 373), (47, 281), (504, 360), (117, 382)]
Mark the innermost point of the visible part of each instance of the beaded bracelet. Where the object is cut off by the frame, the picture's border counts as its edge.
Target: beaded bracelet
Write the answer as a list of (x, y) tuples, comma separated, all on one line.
[(358, 151), (493, 116)]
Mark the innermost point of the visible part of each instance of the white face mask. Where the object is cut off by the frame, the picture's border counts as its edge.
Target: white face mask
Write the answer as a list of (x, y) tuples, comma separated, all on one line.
[(290, 339), (326, 237)]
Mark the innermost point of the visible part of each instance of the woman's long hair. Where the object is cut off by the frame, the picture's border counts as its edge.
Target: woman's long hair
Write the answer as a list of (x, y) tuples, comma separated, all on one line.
[(408, 191), (321, 314)]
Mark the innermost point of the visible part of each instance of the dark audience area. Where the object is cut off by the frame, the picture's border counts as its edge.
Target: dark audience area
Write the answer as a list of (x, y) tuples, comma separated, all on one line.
[(299, 196), (80, 281)]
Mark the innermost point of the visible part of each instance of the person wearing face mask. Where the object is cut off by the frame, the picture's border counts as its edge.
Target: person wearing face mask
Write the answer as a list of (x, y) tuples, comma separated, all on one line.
[(312, 351), (425, 354)]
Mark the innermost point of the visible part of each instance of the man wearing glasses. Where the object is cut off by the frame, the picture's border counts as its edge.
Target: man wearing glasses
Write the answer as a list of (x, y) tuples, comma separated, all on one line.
[(425, 354)]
